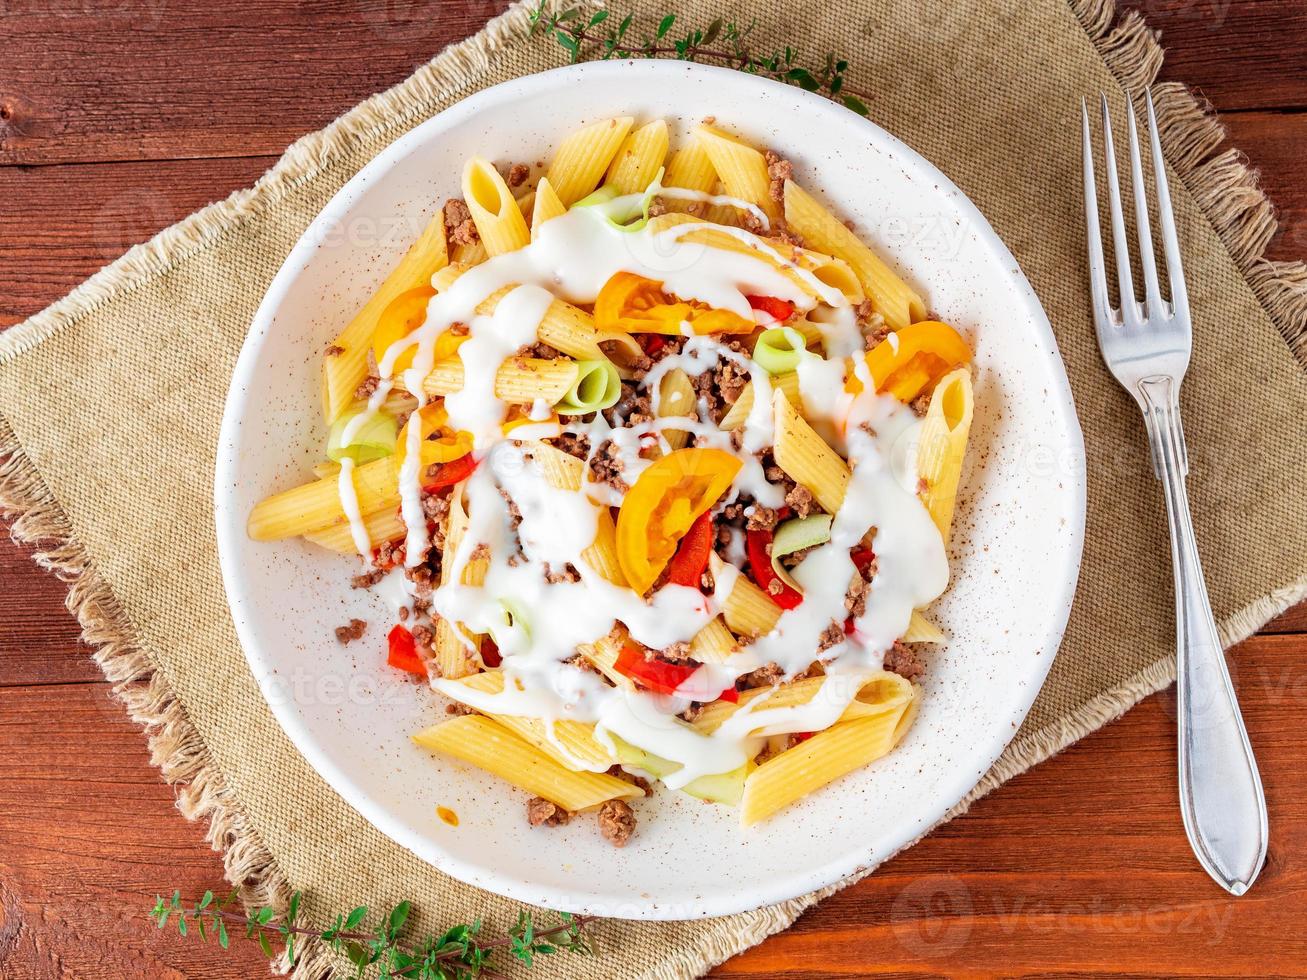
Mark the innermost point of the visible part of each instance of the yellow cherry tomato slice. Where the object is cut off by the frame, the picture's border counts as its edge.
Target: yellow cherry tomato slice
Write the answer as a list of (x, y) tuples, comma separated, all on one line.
[(633, 304), (666, 499), (406, 313), (440, 443), (912, 360)]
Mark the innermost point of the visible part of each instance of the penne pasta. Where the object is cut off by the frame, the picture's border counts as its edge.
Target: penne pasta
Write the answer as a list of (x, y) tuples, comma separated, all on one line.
[(943, 446), (519, 381), (676, 399), (742, 169), (828, 755), (892, 298), (583, 158), (569, 743), (881, 692), (547, 206), (345, 370), (806, 458), (495, 212), (738, 412), (639, 158), (381, 525), (492, 747), (605, 530)]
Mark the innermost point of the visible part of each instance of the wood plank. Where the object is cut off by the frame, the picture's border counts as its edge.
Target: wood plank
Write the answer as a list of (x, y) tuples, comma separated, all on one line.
[(59, 225), (187, 79), (40, 642), (1081, 866), (99, 836), (140, 81), (1241, 54)]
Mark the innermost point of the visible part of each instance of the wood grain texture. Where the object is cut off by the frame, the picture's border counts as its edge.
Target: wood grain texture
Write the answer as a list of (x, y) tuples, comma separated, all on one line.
[(117, 119)]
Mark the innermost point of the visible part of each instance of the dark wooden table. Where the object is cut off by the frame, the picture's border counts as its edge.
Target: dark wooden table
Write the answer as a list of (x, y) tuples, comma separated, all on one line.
[(118, 118)]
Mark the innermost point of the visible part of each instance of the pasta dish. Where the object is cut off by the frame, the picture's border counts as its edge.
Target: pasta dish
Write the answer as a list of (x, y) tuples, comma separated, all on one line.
[(656, 461)]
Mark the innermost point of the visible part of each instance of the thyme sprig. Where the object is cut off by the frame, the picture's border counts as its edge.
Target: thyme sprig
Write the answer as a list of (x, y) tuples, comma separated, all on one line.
[(378, 946), (586, 34)]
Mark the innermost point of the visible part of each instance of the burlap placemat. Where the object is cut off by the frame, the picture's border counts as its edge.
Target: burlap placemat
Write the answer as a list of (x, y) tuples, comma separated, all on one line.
[(110, 402)]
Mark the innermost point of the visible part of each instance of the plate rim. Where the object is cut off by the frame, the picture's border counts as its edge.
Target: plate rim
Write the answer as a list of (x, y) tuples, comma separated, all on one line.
[(583, 901)]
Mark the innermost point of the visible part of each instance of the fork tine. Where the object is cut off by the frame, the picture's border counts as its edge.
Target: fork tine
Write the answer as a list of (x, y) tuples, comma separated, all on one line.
[(1104, 318), (1170, 241), (1152, 290), (1125, 280)]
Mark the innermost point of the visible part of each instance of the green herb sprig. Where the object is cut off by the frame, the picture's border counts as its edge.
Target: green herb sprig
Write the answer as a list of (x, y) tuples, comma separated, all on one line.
[(376, 946), (586, 34)]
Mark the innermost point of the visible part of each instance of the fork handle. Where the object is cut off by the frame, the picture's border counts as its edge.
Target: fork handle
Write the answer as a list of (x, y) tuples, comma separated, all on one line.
[(1221, 795)]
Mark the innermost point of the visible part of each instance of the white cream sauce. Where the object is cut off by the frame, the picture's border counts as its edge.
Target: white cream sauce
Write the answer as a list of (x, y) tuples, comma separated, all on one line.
[(538, 624)]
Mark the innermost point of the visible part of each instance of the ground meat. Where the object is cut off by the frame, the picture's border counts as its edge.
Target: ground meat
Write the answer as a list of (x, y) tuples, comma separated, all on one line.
[(692, 713), (364, 391), (801, 500), (424, 637), (421, 606), (721, 386), (631, 408), (540, 811), (763, 518), (678, 652), (657, 206), (855, 600), (459, 226), (573, 444), (568, 574), (457, 708), (581, 663), (616, 822), (402, 613), (752, 222), (366, 580), (514, 513), (732, 515), (351, 631), (334, 350), (389, 554), (422, 576), (831, 636), (784, 233), (435, 506), (631, 778), (479, 552), (539, 350), (606, 466), (876, 335), (902, 659), (517, 174), (764, 676), (778, 172), (919, 405)]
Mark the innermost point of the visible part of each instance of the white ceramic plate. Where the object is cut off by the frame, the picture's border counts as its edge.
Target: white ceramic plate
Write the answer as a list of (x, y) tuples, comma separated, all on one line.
[(1016, 549)]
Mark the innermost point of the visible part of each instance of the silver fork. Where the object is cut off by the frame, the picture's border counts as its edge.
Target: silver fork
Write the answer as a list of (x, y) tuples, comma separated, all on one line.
[(1146, 347)]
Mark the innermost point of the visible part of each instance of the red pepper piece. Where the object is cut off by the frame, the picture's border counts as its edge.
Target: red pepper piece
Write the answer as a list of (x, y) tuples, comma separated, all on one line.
[(803, 736), (651, 343), (450, 473), (758, 545), (490, 653), (780, 309), (654, 675), (403, 652), (862, 557), (730, 694), (691, 559)]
